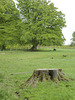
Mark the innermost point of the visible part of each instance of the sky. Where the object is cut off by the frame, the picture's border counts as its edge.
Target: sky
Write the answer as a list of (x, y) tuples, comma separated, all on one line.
[(68, 8)]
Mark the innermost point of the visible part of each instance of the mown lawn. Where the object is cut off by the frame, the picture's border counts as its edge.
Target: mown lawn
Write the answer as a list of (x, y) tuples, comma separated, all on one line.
[(18, 61)]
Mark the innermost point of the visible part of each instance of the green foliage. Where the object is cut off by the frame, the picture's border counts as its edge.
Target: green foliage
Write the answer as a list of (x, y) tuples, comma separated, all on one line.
[(9, 23), (42, 22), (38, 22), (73, 39)]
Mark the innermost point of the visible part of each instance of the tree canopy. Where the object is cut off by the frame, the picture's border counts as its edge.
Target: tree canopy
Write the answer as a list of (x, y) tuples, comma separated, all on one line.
[(42, 23), (35, 22), (9, 23), (73, 39)]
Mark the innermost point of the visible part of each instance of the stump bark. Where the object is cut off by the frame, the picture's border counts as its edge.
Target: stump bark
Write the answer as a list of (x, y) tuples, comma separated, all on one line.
[(43, 75)]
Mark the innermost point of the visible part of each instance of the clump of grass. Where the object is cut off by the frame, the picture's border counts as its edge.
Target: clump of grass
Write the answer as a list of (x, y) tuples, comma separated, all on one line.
[(2, 77), (6, 94)]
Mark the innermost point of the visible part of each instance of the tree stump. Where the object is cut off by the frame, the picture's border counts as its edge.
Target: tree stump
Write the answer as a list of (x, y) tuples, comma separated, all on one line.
[(43, 75)]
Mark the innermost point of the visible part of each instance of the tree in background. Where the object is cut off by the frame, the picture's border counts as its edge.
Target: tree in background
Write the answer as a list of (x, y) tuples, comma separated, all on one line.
[(73, 39), (9, 23), (42, 23)]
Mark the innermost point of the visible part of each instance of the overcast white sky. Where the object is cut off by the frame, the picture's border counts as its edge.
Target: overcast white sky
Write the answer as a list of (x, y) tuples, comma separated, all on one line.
[(68, 8)]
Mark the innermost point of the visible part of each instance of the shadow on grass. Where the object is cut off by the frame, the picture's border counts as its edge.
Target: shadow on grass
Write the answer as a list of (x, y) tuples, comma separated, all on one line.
[(29, 50), (38, 50)]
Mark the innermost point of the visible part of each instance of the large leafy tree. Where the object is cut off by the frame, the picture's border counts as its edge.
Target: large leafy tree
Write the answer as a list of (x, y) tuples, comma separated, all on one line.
[(42, 23), (9, 23), (73, 39)]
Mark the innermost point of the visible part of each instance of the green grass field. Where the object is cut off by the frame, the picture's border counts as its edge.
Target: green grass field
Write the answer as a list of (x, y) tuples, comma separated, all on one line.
[(18, 61)]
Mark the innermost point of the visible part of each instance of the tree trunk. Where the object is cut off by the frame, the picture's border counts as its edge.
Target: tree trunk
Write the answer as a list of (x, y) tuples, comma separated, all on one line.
[(43, 75), (3, 47), (34, 47)]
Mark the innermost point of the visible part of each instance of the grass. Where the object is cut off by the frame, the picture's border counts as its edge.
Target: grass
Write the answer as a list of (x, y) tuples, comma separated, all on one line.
[(18, 61)]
